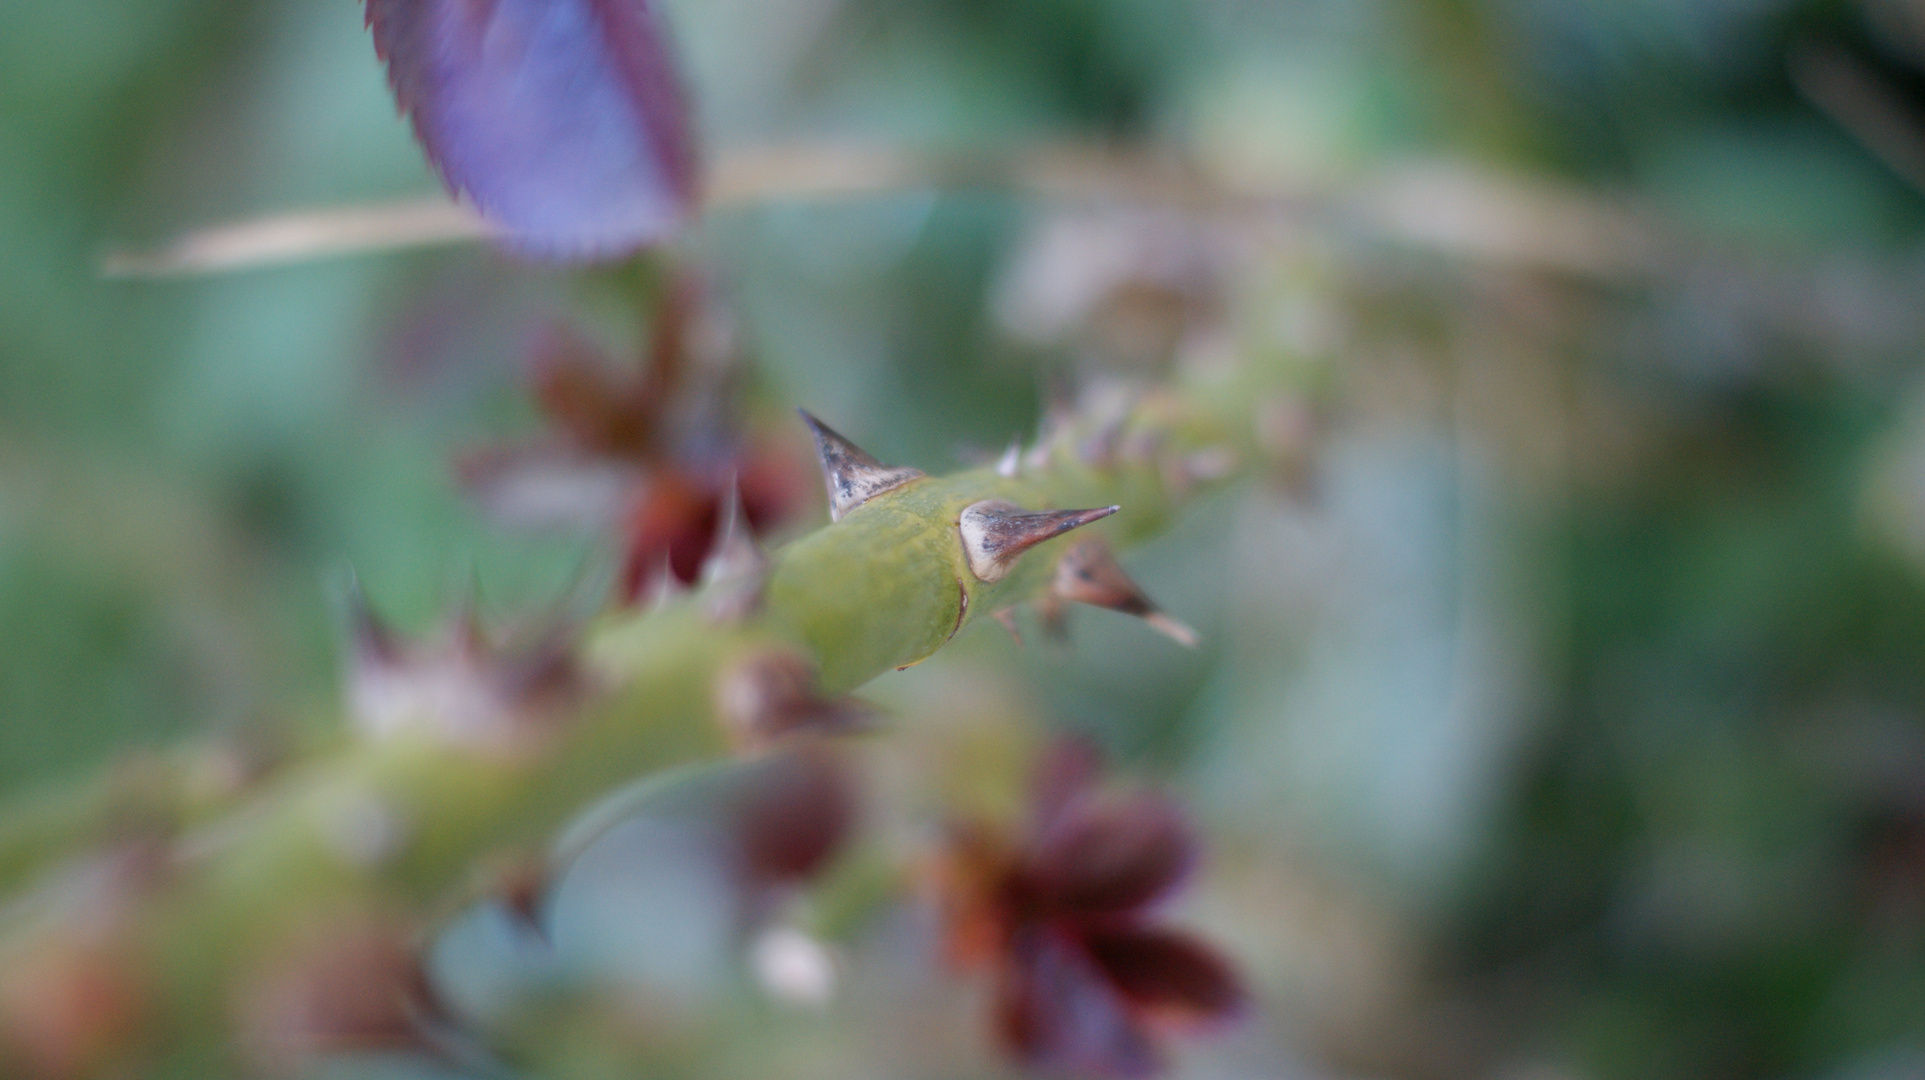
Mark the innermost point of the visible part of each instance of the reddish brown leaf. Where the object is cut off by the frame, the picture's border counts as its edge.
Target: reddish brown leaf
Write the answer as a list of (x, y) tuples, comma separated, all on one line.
[(1099, 857), (798, 811), (577, 389), (1168, 972), (1056, 1011), (1068, 769)]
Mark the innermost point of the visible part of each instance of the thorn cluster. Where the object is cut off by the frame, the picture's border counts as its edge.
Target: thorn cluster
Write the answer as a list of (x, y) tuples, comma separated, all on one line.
[(461, 686)]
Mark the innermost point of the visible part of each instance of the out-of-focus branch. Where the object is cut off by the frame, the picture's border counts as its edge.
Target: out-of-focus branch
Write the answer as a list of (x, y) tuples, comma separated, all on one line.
[(303, 235), (1453, 208), (392, 823)]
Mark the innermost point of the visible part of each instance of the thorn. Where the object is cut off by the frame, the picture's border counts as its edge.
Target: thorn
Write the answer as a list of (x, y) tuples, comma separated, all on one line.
[(1212, 463), (735, 567), (1012, 459), (465, 629), (1088, 574), (735, 554), (663, 587), (765, 697), (1173, 628), (1206, 466), (1058, 415), (1007, 617), (852, 476), (522, 887), (374, 640), (994, 532)]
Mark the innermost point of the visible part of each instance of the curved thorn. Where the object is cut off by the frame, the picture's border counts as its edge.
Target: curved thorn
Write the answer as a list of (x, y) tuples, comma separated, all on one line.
[(1088, 574), (1007, 617), (995, 533), (851, 475)]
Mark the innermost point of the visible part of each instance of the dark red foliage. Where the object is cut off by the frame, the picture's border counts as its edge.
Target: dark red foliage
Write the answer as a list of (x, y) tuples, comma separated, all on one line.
[(675, 519), (651, 453), (799, 809), (1113, 858), (1083, 981), (562, 121)]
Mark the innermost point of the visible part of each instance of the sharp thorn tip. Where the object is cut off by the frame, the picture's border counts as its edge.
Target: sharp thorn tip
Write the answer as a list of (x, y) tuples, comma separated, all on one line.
[(995, 533), (851, 474)]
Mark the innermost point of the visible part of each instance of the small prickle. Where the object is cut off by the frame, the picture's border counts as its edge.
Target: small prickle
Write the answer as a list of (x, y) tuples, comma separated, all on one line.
[(995, 533), (1012, 460), (520, 883), (663, 587), (374, 641), (773, 694), (460, 686), (852, 476), (736, 568), (736, 554), (1007, 617), (1089, 574)]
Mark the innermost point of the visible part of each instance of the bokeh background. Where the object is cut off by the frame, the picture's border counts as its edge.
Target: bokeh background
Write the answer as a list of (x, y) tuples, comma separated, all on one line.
[(1563, 716)]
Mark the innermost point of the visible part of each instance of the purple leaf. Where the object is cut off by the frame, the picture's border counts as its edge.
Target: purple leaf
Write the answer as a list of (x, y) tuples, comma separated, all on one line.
[(560, 120)]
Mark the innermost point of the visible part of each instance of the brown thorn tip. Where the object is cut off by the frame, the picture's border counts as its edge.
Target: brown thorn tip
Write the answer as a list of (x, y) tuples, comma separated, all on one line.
[(1088, 574), (852, 476), (1173, 628), (995, 533)]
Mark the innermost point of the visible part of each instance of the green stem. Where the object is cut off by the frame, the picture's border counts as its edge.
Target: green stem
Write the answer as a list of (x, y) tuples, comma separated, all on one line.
[(885, 587)]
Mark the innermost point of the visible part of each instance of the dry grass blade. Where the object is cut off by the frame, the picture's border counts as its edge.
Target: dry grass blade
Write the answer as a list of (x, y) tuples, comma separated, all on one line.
[(303, 235), (1455, 210)]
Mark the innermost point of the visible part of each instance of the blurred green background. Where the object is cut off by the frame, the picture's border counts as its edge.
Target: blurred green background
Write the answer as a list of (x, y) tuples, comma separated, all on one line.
[(1568, 721)]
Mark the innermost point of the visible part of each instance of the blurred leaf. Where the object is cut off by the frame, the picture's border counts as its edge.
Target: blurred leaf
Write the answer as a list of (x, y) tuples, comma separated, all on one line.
[(562, 120)]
